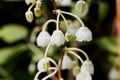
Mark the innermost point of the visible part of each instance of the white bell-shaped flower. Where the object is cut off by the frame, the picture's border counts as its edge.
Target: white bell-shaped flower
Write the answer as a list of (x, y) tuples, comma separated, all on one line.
[(29, 1), (83, 76), (87, 66), (83, 34), (65, 2), (57, 38), (43, 39), (67, 62), (43, 64)]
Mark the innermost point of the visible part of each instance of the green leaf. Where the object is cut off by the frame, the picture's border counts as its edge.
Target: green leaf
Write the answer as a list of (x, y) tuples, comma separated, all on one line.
[(103, 8), (11, 33), (108, 44), (113, 60), (9, 53)]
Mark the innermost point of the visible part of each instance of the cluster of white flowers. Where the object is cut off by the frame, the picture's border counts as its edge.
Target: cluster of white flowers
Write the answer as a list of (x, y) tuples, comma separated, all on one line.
[(58, 38)]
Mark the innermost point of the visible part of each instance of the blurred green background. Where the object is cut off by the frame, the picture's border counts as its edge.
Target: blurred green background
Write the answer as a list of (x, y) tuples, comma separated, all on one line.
[(17, 51)]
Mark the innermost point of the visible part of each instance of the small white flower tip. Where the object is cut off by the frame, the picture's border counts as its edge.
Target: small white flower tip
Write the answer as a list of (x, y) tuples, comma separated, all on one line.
[(83, 76), (87, 66), (67, 62), (57, 38), (43, 64), (65, 2), (43, 39), (83, 34)]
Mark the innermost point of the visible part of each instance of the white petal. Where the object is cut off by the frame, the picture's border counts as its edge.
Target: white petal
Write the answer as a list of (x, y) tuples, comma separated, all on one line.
[(87, 66), (83, 76), (43, 39), (83, 34), (67, 62), (57, 38)]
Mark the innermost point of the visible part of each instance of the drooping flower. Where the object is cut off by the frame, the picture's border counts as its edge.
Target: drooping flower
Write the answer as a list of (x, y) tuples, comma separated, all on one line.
[(29, 16), (43, 39), (83, 34), (43, 64), (83, 76), (87, 66), (67, 62), (57, 38)]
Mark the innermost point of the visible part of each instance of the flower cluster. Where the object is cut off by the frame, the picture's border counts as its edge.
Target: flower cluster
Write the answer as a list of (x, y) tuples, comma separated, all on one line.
[(37, 9), (78, 33), (81, 33)]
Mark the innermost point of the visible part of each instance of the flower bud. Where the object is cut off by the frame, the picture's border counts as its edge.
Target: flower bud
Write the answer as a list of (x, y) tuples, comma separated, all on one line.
[(29, 16), (43, 39), (32, 68), (57, 38), (76, 70), (37, 12), (87, 66), (38, 4), (83, 34), (43, 64), (81, 6)]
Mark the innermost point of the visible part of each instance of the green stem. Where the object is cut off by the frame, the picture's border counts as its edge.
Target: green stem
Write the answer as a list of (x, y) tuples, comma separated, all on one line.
[(46, 51), (64, 20), (73, 53), (49, 21), (58, 17), (80, 50), (74, 16), (31, 6)]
